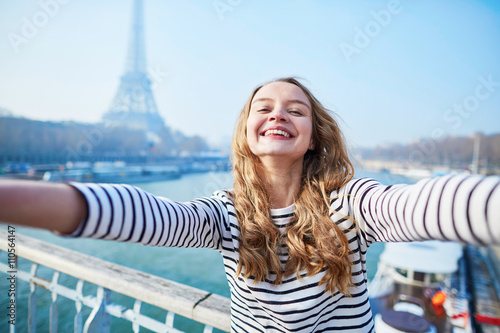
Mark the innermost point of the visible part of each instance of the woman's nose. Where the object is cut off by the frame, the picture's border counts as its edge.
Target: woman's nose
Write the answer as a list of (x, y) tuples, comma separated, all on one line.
[(278, 114)]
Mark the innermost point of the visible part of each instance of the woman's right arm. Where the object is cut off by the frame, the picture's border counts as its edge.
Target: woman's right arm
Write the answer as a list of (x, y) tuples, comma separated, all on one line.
[(53, 206), (113, 212)]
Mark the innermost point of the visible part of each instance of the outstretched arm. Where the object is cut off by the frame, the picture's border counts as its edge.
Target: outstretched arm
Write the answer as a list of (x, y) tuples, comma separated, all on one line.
[(52, 206), (451, 208)]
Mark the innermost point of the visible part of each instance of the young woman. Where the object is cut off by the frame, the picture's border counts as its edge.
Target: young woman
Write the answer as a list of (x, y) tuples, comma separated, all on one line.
[(295, 229)]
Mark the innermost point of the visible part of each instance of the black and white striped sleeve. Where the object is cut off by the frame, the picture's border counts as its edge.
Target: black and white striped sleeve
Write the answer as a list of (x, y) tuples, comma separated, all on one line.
[(451, 208), (128, 214)]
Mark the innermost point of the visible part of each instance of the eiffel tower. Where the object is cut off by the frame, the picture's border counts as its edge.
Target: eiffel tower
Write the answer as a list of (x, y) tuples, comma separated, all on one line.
[(134, 105)]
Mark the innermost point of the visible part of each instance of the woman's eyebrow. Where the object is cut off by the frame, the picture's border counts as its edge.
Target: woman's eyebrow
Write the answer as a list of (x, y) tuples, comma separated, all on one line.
[(300, 102), (264, 99)]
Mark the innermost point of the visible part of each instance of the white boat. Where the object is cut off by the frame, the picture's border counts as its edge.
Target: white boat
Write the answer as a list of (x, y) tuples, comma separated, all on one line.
[(421, 287)]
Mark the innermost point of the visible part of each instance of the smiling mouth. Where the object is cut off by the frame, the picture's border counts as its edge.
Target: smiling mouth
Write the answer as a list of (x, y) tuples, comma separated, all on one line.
[(277, 132)]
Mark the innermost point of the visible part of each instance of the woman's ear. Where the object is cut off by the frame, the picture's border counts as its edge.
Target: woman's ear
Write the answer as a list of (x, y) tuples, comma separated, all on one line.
[(311, 145)]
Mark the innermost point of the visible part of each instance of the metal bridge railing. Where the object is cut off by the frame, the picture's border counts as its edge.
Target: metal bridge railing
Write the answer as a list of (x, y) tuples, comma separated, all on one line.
[(177, 299)]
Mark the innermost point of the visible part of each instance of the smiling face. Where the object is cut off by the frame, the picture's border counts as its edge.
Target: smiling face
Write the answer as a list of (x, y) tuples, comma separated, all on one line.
[(279, 122)]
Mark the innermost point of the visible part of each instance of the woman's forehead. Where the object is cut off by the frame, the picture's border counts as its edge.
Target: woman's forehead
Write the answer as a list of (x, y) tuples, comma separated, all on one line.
[(281, 90)]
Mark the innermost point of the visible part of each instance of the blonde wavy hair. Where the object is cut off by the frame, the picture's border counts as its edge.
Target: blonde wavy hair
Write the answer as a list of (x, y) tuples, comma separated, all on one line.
[(314, 241)]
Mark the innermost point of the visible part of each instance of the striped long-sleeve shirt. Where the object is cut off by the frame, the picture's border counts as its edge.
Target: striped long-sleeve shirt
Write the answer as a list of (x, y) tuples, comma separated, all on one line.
[(455, 208)]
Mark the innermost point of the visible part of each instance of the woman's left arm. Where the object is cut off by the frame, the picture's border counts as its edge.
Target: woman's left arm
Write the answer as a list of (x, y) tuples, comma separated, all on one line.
[(452, 208)]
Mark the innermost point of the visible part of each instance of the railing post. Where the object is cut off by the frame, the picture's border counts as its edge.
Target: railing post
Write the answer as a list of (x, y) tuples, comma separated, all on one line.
[(32, 302), (137, 310), (170, 319), (54, 311), (78, 304), (99, 320)]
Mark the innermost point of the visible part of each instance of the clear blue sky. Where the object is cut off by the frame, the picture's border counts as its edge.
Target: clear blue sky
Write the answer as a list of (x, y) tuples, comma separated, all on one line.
[(393, 71)]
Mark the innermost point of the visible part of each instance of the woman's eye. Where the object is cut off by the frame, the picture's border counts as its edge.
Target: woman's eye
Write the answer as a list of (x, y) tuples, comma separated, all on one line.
[(263, 110), (297, 112)]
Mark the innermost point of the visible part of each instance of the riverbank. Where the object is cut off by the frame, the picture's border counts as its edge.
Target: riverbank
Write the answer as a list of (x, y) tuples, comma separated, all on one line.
[(417, 171), (115, 172)]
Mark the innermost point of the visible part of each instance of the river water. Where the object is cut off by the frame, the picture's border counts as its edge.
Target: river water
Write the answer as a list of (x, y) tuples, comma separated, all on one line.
[(200, 268)]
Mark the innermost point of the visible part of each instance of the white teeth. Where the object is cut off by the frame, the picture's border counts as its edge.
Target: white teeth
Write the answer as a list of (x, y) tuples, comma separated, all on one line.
[(279, 132)]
